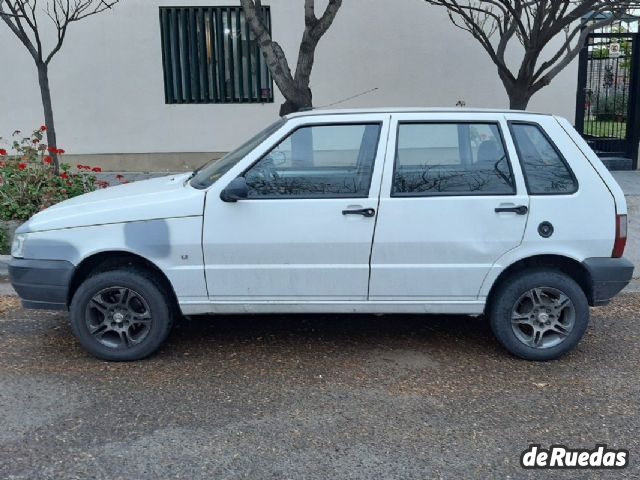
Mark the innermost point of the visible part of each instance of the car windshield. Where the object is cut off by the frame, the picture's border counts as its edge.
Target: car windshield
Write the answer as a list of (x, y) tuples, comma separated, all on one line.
[(211, 172)]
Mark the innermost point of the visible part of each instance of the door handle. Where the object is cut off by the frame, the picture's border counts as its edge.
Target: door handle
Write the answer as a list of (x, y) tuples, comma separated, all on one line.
[(520, 210), (365, 212)]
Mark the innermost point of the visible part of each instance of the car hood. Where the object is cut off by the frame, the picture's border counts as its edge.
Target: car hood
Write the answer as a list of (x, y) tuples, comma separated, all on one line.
[(165, 197)]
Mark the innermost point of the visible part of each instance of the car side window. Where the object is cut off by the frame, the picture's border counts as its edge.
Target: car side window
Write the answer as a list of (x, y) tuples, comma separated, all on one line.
[(320, 161), (451, 159), (545, 171)]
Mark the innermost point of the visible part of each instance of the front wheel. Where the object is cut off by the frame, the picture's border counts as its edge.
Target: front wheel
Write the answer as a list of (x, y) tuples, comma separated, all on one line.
[(121, 315), (539, 315)]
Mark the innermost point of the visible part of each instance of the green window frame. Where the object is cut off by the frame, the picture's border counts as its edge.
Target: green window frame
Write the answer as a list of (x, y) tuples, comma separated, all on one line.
[(210, 55)]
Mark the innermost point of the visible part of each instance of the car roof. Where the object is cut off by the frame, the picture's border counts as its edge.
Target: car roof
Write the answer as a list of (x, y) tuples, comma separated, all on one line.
[(352, 111)]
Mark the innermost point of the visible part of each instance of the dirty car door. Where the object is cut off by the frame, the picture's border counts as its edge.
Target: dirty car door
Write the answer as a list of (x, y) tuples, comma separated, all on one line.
[(306, 228), (453, 202)]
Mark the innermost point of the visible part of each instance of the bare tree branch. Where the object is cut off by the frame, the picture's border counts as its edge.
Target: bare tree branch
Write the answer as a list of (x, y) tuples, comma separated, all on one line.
[(13, 18), (21, 16), (294, 86), (495, 24)]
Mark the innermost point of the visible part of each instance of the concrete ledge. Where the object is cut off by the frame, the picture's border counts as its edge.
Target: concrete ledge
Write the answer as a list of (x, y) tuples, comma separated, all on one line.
[(617, 163), (4, 265), (144, 162), (632, 252)]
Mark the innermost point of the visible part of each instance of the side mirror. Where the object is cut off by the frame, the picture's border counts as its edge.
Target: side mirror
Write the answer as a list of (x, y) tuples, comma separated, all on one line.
[(236, 190)]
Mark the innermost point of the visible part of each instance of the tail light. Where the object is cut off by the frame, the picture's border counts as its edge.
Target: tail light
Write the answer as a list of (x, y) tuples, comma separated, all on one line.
[(621, 236)]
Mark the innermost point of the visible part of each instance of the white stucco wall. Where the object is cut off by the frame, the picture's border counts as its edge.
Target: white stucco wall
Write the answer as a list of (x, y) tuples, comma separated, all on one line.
[(107, 82)]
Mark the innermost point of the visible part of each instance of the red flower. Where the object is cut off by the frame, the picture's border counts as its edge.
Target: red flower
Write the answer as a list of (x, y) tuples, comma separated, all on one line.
[(3, 152), (60, 152), (120, 177), (64, 175), (80, 167), (43, 128), (96, 169), (22, 166), (56, 151), (52, 150), (48, 160)]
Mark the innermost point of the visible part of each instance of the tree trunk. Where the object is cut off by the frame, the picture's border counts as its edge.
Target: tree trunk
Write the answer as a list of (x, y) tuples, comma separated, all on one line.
[(302, 140), (518, 100), (302, 148), (291, 107), (288, 107), (45, 92)]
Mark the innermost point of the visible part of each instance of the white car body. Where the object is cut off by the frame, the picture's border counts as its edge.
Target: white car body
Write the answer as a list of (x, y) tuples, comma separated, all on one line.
[(439, 254)]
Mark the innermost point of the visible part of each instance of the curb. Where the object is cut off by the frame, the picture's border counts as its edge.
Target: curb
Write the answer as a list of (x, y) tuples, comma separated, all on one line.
[(4, 264)]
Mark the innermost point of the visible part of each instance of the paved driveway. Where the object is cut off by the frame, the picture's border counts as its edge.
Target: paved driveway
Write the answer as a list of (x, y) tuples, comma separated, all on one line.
[(311, 397)]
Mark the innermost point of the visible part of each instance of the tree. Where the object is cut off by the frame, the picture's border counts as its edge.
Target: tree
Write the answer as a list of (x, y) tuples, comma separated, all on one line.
[(22, 16), (294, 87), (536, 25)]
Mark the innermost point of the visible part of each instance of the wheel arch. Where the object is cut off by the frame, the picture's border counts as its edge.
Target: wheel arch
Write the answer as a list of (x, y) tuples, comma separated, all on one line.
[(567, 265), (112, 260)]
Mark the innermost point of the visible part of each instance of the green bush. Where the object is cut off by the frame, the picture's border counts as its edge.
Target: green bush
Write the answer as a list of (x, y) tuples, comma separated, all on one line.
[(612, 107), (29, 182)]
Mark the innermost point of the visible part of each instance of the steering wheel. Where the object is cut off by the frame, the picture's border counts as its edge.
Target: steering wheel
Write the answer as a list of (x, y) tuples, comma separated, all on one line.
[(265, 171)]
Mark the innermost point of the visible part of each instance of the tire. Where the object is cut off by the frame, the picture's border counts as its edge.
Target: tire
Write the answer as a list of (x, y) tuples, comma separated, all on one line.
[(539, 314), (121, 315)]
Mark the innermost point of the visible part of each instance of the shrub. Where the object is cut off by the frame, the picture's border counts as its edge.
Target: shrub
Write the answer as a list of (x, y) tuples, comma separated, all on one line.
[(29, 182), (613, 107)]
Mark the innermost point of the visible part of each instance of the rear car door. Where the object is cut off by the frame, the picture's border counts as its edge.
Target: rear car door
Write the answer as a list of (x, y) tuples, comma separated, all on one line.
[(453, 201), (305, 231)]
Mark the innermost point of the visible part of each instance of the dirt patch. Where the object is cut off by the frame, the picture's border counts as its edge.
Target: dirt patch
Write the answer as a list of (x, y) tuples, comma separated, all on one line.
[(8, 304)]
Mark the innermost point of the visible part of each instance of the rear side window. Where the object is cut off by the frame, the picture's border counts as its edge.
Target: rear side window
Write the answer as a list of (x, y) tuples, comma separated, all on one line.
[(545, 171), (451, 159)]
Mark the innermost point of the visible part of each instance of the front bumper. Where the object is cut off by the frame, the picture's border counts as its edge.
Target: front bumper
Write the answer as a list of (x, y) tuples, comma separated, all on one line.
[(41, 284), (608, 277)]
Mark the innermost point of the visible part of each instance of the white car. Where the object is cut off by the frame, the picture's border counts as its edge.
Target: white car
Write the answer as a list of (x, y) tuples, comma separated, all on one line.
[(506, 214)]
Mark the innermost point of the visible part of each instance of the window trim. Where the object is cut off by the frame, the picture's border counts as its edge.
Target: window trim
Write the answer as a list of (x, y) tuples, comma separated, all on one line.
[(379, 123), (497, 123), (576, 184)]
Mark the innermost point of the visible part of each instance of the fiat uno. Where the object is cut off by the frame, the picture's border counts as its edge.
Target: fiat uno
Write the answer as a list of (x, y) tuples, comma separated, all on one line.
[(498, 213)]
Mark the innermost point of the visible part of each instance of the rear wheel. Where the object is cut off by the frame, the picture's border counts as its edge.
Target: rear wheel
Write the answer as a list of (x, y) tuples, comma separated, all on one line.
[(539, 315), (121, 315)]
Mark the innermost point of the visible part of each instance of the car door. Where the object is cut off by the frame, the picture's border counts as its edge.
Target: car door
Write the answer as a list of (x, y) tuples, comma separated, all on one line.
[(453, 201), (304, 232)]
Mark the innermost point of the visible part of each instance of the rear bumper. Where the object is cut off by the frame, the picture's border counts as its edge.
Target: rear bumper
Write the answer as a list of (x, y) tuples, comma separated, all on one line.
[(608, 277), (41, 284)]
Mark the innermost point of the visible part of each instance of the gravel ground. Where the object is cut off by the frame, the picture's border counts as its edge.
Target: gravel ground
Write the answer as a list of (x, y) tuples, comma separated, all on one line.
[(311, 397)]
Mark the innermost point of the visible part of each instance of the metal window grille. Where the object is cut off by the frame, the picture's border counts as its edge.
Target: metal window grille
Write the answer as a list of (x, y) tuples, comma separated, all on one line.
[(210, 55)]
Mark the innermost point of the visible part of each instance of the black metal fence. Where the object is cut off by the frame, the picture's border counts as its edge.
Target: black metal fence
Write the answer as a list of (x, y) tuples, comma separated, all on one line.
[(608, 94)]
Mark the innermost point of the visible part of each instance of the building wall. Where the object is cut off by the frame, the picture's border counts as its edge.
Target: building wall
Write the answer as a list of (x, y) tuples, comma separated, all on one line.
[(107, 81)]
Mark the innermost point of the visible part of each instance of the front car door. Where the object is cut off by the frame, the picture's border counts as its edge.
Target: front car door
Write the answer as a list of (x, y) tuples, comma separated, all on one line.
[(305, 231), (453, 201)]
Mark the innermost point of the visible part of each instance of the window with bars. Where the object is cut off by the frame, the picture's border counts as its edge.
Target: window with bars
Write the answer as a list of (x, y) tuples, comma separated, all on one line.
[(210, 55)]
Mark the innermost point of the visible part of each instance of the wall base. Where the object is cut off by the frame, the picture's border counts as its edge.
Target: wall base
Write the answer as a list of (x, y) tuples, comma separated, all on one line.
[(143, 162)]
